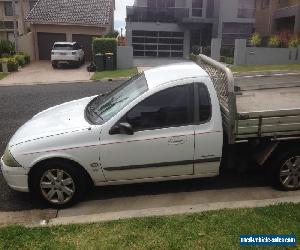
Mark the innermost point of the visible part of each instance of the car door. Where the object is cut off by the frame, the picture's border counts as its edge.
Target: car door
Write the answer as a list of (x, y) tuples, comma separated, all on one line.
[(208, 131), (163, 141)]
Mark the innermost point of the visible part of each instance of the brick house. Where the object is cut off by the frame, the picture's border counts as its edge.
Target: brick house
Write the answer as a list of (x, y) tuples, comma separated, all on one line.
[(276, 15)]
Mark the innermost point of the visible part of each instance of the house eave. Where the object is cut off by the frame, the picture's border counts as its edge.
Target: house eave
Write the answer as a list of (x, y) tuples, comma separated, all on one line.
[(68, 24)]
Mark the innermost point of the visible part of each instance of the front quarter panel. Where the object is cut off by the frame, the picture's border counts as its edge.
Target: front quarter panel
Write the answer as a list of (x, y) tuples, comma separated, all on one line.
[(81, 146)]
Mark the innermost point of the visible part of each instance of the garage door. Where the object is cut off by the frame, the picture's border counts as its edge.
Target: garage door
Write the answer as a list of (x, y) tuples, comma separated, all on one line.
[(86, 43), (157, 43), (46, 41)]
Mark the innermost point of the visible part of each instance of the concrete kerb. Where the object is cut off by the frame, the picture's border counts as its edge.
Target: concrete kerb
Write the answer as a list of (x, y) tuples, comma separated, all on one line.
[(65, 82), (253, 74), (167, 211)]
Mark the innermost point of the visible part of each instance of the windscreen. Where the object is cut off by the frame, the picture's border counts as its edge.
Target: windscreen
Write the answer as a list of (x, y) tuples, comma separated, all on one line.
[(102, 109), (63, 47)]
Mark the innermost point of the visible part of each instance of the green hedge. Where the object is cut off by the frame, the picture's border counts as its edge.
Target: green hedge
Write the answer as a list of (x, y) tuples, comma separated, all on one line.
[(104, 45), (26, 57), (12, 64), (193, 57), (227, 60), (6, 47), (20, 59)]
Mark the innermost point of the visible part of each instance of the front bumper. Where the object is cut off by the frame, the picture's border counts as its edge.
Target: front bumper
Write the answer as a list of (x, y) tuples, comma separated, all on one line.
[(16, 178)]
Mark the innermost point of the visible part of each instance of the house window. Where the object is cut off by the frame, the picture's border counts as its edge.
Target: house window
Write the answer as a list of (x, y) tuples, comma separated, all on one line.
[(265, 4), (161, 3), (8, 9), (197, 6), (232, 31), (8, 25), (246, 9), (210, 9), (283, 3), (32, 3)]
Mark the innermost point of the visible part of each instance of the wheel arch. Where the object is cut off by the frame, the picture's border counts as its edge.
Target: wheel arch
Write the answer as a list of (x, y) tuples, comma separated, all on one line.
[(283, 147), (43, 161)]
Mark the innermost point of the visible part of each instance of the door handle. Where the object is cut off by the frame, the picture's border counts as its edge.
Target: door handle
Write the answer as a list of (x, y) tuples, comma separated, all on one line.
[(176, 140)]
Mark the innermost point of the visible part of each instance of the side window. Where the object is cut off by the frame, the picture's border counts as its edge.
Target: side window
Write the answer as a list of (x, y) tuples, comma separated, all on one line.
[(169, 108), (204, 103), (8, 8)]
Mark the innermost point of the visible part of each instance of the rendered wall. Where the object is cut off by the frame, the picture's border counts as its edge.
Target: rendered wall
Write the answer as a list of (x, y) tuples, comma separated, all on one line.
[(256, 55), (124, 57), (26, 44)]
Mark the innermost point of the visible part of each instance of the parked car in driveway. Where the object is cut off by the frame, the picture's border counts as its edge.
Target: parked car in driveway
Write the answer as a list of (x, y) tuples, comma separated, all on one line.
[(173, 122), (67, 53)]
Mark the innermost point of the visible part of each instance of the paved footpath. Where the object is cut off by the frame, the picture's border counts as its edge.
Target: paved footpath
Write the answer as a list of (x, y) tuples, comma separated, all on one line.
[(20, 103)]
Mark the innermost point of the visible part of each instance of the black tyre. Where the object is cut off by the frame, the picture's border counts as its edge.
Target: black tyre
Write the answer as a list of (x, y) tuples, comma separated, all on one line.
[(59, 184), (77, 64), (54, 65), (83, 61), (285, 171)]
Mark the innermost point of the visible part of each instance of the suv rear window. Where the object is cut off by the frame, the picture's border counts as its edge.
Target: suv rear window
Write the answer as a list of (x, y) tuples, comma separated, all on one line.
[(64, 47)]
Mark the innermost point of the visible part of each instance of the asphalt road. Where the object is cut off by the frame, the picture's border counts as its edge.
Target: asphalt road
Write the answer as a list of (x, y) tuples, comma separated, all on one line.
[(20, 103), (252, 82)]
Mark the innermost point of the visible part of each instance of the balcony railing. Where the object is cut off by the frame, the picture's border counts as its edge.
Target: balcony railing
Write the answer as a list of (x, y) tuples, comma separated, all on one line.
[(6, 25), (163, 15), (246, 13)]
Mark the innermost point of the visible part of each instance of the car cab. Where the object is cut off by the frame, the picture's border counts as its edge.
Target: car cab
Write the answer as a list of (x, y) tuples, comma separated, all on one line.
[(163, 124)]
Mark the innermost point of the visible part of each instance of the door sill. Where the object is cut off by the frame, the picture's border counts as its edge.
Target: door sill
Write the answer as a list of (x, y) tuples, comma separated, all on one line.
[(155, 179)]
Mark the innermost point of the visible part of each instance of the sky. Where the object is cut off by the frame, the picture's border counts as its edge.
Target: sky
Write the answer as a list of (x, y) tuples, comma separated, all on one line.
[(120, 13)]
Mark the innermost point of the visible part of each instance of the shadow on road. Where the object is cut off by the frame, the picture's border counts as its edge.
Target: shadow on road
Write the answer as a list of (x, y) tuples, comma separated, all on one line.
[(228, 181)]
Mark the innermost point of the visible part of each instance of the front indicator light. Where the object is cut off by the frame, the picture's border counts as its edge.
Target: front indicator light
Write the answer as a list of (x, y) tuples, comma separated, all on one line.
[(9, 160)]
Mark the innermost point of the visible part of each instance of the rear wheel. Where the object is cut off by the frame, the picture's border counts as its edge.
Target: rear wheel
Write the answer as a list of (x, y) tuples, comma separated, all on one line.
[(77, 64), (54, 65), (59, 184), (285, 171)]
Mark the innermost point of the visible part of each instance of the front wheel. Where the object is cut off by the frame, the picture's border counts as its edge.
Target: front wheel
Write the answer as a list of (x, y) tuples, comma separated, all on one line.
[(59, 184), (285, 171)]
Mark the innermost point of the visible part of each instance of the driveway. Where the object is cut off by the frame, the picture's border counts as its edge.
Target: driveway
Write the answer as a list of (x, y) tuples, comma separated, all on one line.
[(42, 72)]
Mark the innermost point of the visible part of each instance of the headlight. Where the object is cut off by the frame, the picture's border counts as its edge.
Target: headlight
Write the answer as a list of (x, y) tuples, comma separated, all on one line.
[(9, 160)]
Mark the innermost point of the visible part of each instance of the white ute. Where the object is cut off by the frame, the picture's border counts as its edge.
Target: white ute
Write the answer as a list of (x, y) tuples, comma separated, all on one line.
[(173, 122), (67, 53)]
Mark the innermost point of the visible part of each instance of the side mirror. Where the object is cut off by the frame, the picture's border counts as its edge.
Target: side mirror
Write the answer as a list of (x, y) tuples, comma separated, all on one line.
[(122, 128)]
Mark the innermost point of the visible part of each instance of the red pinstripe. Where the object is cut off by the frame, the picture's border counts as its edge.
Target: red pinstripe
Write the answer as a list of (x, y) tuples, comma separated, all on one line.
[(106, 144)]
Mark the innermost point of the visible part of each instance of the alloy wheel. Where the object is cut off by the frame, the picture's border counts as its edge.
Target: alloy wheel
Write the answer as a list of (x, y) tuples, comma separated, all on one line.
[(57, 186), (290, 173)]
